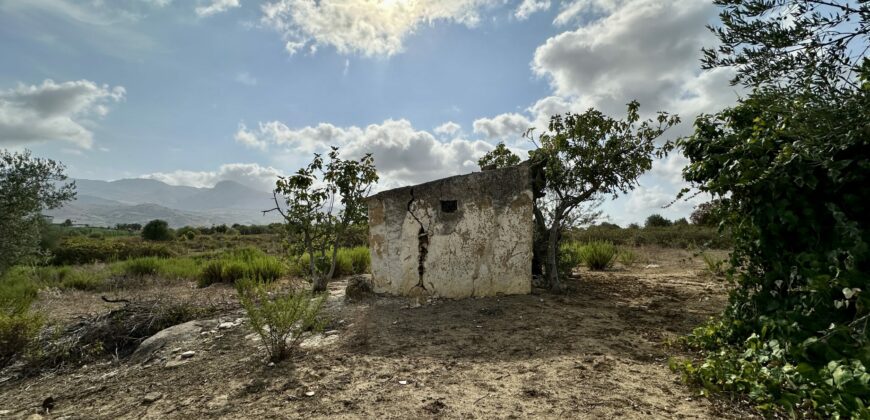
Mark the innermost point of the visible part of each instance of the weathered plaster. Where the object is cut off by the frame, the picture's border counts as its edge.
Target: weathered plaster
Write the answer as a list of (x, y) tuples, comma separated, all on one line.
[(482, 248)]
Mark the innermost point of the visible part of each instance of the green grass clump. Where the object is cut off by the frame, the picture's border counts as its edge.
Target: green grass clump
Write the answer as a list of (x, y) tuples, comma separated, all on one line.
[(140, 267), (88, 277), (598, 255), (627, 257), (234, 265), (348, 261)]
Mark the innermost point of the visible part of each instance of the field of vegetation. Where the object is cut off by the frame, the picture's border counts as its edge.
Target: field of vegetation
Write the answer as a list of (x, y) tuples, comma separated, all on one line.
[(86, 313)]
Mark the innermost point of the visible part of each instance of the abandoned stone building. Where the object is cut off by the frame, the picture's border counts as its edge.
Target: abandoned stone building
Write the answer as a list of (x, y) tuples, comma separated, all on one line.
[(463, 236)]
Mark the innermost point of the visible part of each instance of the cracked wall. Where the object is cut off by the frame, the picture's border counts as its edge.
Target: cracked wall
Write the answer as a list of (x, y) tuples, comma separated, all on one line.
[(468, 235)]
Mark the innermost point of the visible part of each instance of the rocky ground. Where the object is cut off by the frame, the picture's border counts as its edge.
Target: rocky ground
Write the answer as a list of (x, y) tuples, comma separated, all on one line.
[(598, 351)]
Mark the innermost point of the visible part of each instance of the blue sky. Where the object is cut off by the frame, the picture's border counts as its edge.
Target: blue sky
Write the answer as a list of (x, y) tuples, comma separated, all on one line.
[(193, 92)]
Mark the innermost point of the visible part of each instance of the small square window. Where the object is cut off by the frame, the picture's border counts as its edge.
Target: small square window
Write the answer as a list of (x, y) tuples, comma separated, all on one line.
[(448, 206)]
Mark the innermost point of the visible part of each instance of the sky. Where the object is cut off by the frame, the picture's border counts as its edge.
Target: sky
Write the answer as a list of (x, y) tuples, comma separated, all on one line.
[(192, 92)]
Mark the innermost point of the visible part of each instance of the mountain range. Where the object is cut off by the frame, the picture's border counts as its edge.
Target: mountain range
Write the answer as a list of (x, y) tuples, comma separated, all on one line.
[(106, 203)]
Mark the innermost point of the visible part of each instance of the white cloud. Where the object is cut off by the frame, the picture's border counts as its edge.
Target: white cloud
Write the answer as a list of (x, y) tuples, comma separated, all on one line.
[(54, 111), (216, 6), (449, 128), (530, 7), (645, 50), (250, 174), (371, 28), (403, 154), (245, 78), (509, 127), (307, 139), (159, 3), (248, 138)]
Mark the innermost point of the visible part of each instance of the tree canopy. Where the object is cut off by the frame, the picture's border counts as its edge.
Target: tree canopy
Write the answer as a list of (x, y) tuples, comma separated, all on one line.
[(28, 186), (324, 200), (584, 156)]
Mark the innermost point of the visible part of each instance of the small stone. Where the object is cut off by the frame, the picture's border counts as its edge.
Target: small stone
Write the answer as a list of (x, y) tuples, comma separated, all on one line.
[(226, 325), (271, 364), (151, 397), (188, 354), (174, 363)]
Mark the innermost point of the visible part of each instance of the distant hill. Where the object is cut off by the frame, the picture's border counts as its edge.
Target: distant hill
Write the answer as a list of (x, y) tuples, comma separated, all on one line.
[(106, 203)]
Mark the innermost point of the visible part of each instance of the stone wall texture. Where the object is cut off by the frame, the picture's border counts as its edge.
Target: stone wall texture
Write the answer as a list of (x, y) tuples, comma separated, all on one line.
[(463, 236)]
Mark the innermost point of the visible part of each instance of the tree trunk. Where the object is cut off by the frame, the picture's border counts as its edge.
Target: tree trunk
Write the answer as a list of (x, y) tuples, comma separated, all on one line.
[(553, 278), (539, 244)]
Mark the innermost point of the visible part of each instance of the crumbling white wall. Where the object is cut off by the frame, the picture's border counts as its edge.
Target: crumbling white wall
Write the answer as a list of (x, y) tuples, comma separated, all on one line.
[(483, 248)]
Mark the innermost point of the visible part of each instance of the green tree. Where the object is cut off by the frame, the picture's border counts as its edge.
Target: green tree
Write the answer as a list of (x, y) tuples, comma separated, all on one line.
[(586, 155), (657, 220), (324, 201), (791, 166), (156, 230), (707, 214), (28, 186), (500, 157)]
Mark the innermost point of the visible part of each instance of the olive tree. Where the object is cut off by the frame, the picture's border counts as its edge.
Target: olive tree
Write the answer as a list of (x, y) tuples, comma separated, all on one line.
[(28, 186), (324, 201), (584, 156)]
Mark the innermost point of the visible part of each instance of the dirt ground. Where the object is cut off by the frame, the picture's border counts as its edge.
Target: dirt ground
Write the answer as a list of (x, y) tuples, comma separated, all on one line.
[(597, 351)]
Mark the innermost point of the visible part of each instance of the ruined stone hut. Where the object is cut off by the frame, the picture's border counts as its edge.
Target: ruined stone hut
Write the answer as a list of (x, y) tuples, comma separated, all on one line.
[(462, 236)]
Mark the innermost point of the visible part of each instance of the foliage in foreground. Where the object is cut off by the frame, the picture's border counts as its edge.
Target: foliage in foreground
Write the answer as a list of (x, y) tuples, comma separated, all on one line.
[(18, 324), (281, 319), (790, 165)]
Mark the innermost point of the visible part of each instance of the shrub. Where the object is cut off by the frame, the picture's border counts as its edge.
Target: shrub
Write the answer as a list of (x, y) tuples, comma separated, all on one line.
[(598, 255), (240, 263), (79, 250), (211, 273), (145, 266), (627, 257), (282, 321), (17, 332), (656, 220), (156, 230), (349, 261), (18, 325), (569, 257), (686, 236), (82, 280)]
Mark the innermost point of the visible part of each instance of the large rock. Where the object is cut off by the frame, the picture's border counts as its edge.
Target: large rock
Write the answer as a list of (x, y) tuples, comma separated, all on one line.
[(171, 337)]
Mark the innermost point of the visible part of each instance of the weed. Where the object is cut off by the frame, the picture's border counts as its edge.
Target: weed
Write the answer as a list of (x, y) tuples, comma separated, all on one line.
[(598, 255), (282, 320), (627, 257)]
